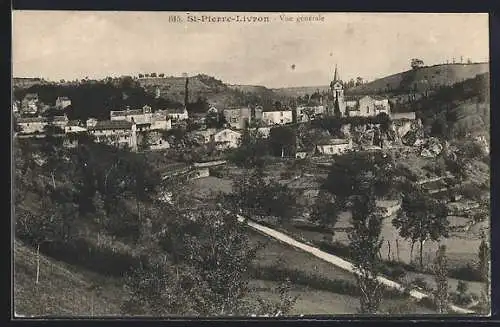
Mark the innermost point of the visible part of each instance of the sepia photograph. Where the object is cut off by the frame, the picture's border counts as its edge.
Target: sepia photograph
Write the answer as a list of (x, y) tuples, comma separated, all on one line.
[(244, 164)]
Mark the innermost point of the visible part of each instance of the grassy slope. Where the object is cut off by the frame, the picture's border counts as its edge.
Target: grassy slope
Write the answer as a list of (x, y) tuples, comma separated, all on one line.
[(215, 91), (424, 77), (62, 290)]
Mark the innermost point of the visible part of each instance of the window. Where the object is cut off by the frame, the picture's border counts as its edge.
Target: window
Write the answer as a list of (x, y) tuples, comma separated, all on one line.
[(281, 113), (281, 121), (367, 109)]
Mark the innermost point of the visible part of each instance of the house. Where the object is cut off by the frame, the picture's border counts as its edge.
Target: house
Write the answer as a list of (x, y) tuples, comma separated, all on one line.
[(138, 116), (334, 147), (206, 136), (160, 121), (30, 125), (62, 102), (306, 113), (156, 141), (212, 109), (264, 131), (277, 116), (177, 114), (301, 153), (29, 103), (367, 106), (238, 118), (227, 139), (120, 133), (75, 126), (15, 106)]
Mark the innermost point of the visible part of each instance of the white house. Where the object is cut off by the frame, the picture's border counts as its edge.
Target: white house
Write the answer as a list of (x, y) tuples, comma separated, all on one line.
[(38, 124), (138, 116), (227, 139), (160, 121), (75, 126), (177, 114), (305, 113), (334, 147), (277, 117), (367, 106), (120, 133), (63, 102)]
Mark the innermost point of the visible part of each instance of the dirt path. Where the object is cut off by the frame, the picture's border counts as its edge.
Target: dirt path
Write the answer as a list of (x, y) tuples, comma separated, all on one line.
[(337, 261)]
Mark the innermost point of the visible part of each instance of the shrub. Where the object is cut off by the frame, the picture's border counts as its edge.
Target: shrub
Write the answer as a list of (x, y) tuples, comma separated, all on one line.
[(467, 272)]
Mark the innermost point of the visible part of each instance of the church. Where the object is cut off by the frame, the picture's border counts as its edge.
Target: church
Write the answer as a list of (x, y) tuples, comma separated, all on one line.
[(339, 105)]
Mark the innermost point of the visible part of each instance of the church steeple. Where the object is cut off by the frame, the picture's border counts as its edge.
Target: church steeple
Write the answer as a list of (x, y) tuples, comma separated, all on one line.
[(335, 74)]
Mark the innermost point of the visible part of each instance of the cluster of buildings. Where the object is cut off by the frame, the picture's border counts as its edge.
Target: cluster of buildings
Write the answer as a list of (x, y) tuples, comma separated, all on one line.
[(144, 127), (125, 128), (32, 106)]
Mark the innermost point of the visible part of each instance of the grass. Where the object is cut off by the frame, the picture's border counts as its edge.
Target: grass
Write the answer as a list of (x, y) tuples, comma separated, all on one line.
[(61, 291), (319, 302)]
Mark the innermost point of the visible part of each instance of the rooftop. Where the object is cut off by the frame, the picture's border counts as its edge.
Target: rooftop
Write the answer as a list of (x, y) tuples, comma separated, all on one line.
[(335, 142), (111, 124), (42, 119), (118, 113)]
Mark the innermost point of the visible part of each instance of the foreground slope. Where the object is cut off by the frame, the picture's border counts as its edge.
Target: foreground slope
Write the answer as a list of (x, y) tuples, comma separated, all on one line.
[(62, 290)]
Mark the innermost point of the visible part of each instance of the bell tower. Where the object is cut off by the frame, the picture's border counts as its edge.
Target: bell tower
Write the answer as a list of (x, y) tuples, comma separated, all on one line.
[(337, 92)]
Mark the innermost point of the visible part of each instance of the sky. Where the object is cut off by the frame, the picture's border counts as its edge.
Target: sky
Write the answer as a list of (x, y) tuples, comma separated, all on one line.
[(74, 44)]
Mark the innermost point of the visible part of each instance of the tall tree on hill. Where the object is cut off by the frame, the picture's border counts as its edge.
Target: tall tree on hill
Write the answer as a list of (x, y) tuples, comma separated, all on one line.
[(364, 245), (186, 93), (421, 218)]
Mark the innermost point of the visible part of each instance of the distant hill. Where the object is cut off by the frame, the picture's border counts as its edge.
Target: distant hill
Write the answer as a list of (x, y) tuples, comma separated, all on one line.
[(300, 91), (457, 110), (422, 79), (206, 87), (26, 82)]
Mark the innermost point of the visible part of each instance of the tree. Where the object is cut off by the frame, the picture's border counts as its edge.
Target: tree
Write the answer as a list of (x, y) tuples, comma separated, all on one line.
[(215, 120), (283, 141), (484, 269), (364, 245), (359, 81), (161, 75), (211, 276), (325, 211), (416, 63), (421, 218), (440, 275), (256, 196), (251, 150), (141, 75)]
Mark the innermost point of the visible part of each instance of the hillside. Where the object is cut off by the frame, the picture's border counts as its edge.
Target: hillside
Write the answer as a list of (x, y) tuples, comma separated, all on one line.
[(62, 290), (206, 87), (458, 110), (300, 91), (422, 79)]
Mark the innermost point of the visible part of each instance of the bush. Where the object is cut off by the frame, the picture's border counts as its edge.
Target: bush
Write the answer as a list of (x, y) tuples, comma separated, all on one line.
[(467, 272), (81, 253)]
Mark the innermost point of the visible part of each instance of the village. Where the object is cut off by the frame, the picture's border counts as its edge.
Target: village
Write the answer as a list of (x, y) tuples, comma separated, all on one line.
[(190, 173), (142, 129)]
